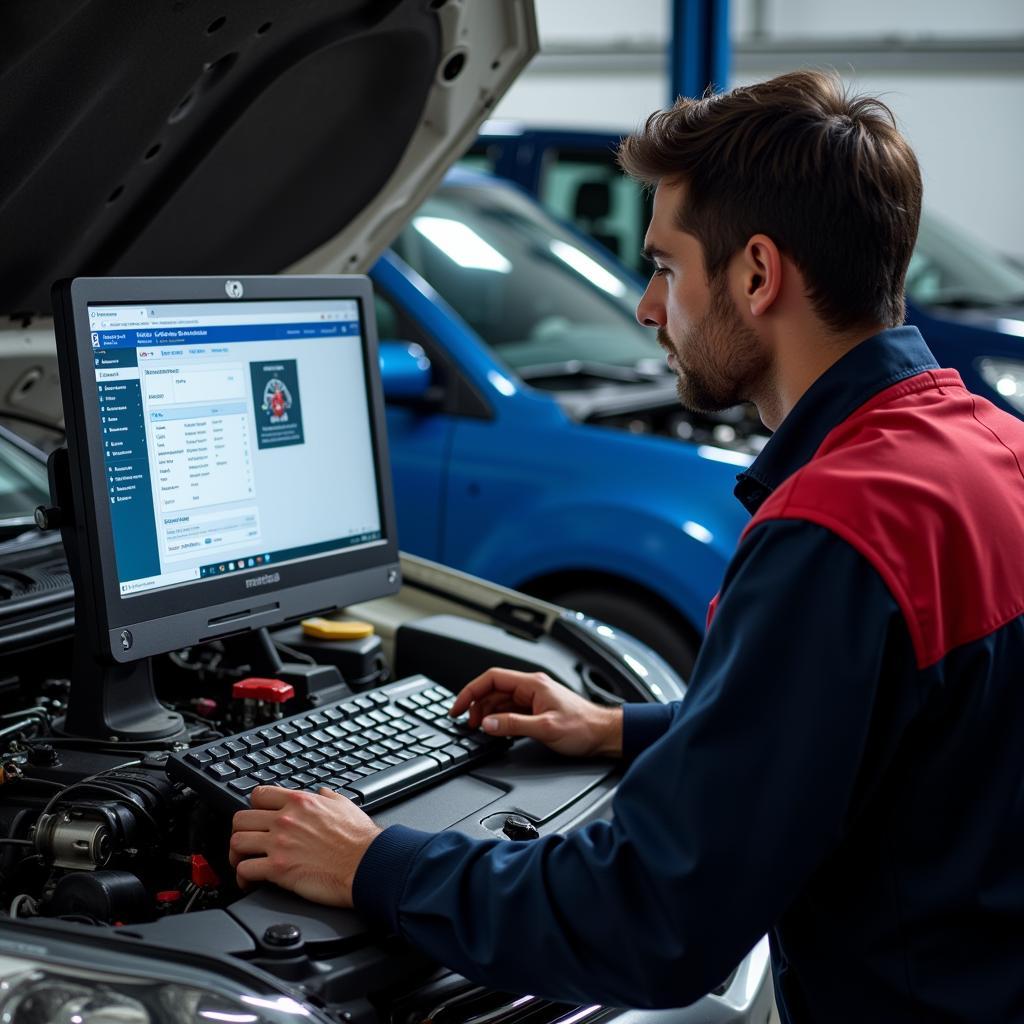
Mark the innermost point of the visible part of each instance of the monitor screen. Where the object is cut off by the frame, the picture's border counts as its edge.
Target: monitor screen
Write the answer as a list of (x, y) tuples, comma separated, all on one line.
[(236, 435), (227, 454)]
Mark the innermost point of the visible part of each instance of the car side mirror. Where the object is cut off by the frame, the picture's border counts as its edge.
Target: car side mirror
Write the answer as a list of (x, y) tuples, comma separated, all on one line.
[(405, 372)]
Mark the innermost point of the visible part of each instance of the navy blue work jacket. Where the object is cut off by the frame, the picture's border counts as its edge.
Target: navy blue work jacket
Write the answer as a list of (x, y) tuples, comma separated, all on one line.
[(846, 772)]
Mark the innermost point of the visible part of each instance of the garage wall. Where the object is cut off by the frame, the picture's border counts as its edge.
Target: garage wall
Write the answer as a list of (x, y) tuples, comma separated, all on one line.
[(953, 72)]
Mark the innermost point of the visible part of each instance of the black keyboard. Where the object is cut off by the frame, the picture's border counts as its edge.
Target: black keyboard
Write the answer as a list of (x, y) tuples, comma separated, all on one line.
[(374, 748)]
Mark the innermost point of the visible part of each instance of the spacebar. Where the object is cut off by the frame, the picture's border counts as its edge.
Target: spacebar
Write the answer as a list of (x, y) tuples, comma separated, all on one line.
[(391, 780)]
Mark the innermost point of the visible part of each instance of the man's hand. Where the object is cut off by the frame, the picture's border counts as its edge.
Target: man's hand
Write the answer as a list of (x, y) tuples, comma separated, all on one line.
[(508, 703), (309, 843)]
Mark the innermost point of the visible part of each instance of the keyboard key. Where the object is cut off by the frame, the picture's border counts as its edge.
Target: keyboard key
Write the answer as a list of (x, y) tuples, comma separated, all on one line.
[(235, 746), (218, 751), (313, 757), (263, 776), (274, 753), (258, 758), (202, 757), (333, 714), (321, 736), (303, 779), (243, 785), (435, 742), (376, 749), (377, 766), (364, 702), (393, 759), (394, 779), (291, 747), (378, 716), (318, 718), (335, 732), (280, 771), (297, 763), (241, 764), (379, 698), (456, 752), (286, 729), (220, 770), (251, 740), (270, 734), (350, 708)]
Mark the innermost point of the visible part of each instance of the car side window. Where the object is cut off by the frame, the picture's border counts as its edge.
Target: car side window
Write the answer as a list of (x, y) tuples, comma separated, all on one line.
[(460, 398), (592, 193)]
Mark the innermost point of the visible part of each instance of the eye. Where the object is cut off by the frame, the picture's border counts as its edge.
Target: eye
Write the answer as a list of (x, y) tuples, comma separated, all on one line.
[(660, 271)]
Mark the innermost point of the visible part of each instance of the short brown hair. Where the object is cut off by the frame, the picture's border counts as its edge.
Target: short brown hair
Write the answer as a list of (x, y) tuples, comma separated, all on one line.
[(827, 176)]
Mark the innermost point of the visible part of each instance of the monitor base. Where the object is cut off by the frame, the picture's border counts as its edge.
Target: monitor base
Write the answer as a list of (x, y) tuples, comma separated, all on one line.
[(116, 703)]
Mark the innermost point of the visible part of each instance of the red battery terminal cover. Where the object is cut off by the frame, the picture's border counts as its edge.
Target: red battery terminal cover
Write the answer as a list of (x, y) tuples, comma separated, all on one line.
[(254, 688), (202, 874)]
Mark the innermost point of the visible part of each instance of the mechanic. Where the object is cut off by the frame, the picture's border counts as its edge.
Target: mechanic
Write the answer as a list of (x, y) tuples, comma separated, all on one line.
[(847, 770)]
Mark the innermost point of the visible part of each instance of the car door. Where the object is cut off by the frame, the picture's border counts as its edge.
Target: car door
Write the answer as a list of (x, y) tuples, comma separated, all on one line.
[(418, 440)]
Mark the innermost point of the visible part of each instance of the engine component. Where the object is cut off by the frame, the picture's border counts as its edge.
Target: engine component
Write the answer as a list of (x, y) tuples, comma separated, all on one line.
[(104, 895), (75, 839)]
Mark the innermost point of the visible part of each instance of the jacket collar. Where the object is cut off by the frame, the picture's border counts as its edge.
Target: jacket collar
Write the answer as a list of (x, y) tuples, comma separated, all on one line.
[(871, 366)]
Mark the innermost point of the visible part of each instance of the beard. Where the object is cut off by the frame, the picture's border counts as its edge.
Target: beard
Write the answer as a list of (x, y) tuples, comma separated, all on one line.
[(719, 360)]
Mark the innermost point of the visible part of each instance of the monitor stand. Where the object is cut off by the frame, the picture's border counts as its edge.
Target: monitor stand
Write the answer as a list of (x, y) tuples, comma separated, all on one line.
[(109, 701)]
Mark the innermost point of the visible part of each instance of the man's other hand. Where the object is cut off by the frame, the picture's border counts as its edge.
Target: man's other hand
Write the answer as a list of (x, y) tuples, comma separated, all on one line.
[(507, 703), (308, 843)]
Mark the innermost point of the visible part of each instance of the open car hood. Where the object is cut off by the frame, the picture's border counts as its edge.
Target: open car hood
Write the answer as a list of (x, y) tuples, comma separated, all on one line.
[(233, 136)]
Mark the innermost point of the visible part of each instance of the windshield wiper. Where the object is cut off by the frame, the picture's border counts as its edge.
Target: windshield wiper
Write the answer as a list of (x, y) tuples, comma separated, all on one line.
[(586, 368), (974, 302)]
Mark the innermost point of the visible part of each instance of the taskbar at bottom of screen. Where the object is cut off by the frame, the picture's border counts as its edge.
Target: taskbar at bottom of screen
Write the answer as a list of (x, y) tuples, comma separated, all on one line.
[(262, 559)]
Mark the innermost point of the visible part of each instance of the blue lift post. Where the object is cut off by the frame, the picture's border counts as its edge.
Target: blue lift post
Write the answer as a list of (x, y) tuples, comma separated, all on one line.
[(699, 51)]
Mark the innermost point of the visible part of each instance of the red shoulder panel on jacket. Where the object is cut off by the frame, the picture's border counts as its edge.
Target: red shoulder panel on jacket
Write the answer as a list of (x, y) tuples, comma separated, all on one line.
[(926, 481)]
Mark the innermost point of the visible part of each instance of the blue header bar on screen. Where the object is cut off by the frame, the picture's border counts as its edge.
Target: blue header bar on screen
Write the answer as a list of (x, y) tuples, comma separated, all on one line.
[(206, 335)]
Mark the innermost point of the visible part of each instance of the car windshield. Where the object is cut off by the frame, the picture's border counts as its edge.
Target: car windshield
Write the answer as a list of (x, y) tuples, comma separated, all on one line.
[(542, 298), (950, 268), (23, 486)]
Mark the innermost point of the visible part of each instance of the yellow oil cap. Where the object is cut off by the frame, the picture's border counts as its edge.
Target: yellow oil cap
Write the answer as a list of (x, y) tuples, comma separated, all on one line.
[(328, 629)]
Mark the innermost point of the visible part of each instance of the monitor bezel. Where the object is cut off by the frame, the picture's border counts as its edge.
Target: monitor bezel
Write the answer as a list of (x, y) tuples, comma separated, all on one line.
[(168, 618)]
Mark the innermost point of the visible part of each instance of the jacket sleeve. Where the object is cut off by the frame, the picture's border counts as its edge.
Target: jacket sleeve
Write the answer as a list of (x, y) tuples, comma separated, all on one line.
[(716, 825)]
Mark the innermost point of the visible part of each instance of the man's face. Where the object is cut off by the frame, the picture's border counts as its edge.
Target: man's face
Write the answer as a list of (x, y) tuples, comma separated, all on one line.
[(719, 360)]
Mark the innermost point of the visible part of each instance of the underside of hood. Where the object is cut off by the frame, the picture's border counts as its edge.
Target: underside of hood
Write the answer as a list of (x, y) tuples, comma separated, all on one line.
[(232, 137)]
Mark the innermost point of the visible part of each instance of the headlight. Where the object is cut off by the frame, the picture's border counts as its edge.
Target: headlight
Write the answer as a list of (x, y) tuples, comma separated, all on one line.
[(1006, 378), (35, 992)]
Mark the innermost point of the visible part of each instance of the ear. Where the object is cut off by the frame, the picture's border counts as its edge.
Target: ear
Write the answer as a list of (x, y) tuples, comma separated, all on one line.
[(761, 269)]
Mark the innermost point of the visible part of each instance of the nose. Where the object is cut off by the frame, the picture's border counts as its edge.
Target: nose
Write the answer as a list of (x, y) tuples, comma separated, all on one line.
[(650, 311)]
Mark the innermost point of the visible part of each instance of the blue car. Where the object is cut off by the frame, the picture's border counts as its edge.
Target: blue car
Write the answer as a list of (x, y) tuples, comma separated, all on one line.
[(534, 426), (967, 300)]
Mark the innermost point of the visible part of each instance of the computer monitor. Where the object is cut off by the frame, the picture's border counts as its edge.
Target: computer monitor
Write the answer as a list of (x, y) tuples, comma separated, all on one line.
[(226, 469)]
